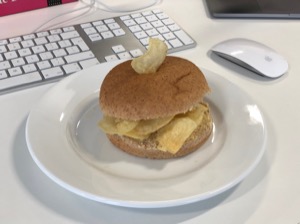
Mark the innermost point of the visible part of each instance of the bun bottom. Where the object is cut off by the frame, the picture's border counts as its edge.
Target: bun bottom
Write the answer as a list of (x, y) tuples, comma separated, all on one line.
[(148, 147)]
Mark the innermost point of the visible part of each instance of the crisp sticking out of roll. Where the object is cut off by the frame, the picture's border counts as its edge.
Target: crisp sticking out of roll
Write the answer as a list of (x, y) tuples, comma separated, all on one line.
[(156, 115)]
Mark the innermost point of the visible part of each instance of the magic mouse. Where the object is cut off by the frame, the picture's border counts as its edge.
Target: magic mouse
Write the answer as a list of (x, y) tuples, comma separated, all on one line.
[(253, 56)]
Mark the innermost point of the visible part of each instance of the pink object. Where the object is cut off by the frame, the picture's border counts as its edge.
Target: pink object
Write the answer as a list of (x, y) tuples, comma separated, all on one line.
[(8, 7)]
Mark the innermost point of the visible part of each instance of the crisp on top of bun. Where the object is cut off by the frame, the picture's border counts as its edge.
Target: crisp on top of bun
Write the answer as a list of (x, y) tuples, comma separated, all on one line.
[(176, 87)]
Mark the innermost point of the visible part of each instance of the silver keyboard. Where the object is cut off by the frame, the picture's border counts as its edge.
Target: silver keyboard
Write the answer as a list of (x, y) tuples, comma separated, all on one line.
[(43, 57)]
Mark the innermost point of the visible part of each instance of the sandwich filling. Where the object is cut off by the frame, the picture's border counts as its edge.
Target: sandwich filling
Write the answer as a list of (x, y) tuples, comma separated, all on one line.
[(170, 132)]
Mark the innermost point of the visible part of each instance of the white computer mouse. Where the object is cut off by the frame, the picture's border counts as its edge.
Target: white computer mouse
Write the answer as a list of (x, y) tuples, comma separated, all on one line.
[(253, 56)]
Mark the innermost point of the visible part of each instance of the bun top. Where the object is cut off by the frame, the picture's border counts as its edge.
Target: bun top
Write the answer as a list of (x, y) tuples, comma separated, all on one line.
[(176, 87)]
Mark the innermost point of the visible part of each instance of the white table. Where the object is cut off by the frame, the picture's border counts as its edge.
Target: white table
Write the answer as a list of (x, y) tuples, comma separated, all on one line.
[(270, 194)]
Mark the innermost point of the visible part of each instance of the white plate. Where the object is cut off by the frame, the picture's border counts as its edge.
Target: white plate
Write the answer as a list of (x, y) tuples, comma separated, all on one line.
[(65, 142)]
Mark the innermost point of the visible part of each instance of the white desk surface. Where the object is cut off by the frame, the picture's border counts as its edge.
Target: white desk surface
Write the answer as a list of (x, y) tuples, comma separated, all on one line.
[(270, 194)]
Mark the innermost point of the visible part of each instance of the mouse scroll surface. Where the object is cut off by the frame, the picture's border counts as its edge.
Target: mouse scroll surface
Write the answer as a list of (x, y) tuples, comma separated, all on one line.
[(253, 56)]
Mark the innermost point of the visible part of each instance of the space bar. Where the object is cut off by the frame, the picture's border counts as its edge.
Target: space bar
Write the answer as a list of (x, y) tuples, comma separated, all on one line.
[(19, 80)]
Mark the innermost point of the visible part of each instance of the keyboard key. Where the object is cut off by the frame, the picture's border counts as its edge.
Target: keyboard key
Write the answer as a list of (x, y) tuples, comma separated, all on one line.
[(15, 39), (113, 26), (95, 37), (111, 58), (102, 28), (88, 63), (136, 15), (129, 22), (152, 32), (118, 48), (79, 57), (3, 74), (29, 68), (52, 72), (18, 62), (146, 13), (32, 58), (159, 36), (98, 23), (135, 28), (73, 50), (29, 36), (3, 42), (80, 43), (60, 52), (107, 21), (69, 35), (24, 52), (42, 34), (40, 41), (140, 35), (65, 43), (126, 17), (169, 36), (136, 53), (119, 32), (107, 34), (140, 20), (86, 25), (19, 80), (146, 26), (168, 21), (71, 68), (145, 41), (53, 38), (57, 62), (157, 24), (38, 49), (4, 65), (46, 55), (174, 27), (27, 43), (56, 31), (14, 46), (90, 30), (162, 16), (175, 43), (124, 55), (163, 29), (184, 37), (68, 29), (15, 71), (151, 18), (43, 65), (3, 49), (51, 46), (10, 55)]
